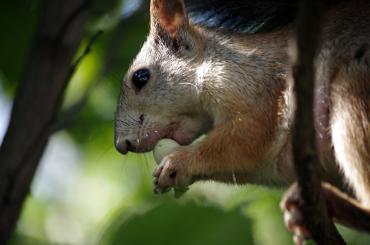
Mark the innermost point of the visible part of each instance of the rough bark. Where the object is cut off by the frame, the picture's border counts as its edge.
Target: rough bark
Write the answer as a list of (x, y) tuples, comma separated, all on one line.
[(314, 210), (37, 103)]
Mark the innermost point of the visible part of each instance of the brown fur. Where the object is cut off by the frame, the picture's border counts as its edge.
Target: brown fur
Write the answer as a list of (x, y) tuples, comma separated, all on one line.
[(235, 88)]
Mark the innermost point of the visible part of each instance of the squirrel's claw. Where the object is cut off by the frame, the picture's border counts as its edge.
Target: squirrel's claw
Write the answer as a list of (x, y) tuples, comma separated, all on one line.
[(171, 173), (293, 216), (160, 190)]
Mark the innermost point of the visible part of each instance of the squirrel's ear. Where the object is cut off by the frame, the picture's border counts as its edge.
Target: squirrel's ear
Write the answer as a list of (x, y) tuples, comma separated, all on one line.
[(167, 16)]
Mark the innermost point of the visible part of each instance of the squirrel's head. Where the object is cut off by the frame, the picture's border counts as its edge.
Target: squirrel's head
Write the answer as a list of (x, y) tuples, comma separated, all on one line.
[(159, 96)]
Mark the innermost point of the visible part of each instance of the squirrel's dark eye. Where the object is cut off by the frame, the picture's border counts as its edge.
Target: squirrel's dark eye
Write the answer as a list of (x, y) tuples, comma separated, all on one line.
[(140, 78)]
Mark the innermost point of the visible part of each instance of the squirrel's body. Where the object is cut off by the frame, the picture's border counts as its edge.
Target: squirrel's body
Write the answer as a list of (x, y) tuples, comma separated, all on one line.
[(227, 95), (237, 89)]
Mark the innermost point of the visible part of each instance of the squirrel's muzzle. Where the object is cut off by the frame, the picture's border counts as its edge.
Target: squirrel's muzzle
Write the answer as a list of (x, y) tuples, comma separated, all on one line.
[(123, 145)]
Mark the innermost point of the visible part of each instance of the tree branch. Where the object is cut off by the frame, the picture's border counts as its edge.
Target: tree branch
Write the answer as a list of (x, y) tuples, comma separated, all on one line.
[(314, 210), (36, 104)]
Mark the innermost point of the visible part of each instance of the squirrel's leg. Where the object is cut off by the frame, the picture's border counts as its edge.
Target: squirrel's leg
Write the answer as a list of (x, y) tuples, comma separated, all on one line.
[(346, 210), (235, 148)]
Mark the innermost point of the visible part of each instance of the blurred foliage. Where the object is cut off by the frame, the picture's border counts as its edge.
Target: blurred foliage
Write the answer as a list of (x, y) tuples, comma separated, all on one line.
[(182, 224), (84, 191)]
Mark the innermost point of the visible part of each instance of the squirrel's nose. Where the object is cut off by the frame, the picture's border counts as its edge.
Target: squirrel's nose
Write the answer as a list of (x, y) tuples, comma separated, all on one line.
[(123, 145)]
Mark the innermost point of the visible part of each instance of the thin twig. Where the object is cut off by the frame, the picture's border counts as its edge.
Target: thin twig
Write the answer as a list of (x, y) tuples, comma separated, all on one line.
[(86, 51), (71, 113)]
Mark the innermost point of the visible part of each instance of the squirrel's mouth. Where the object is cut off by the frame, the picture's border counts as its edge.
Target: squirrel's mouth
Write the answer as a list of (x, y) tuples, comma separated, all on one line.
[(174, 132), (149, 140)]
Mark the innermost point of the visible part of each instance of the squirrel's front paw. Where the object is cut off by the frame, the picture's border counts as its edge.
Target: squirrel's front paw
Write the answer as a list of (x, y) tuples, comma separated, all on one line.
[(172, 173)]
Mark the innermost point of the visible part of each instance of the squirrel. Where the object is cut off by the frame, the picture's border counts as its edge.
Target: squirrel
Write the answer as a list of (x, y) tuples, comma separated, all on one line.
[(189, 80)]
